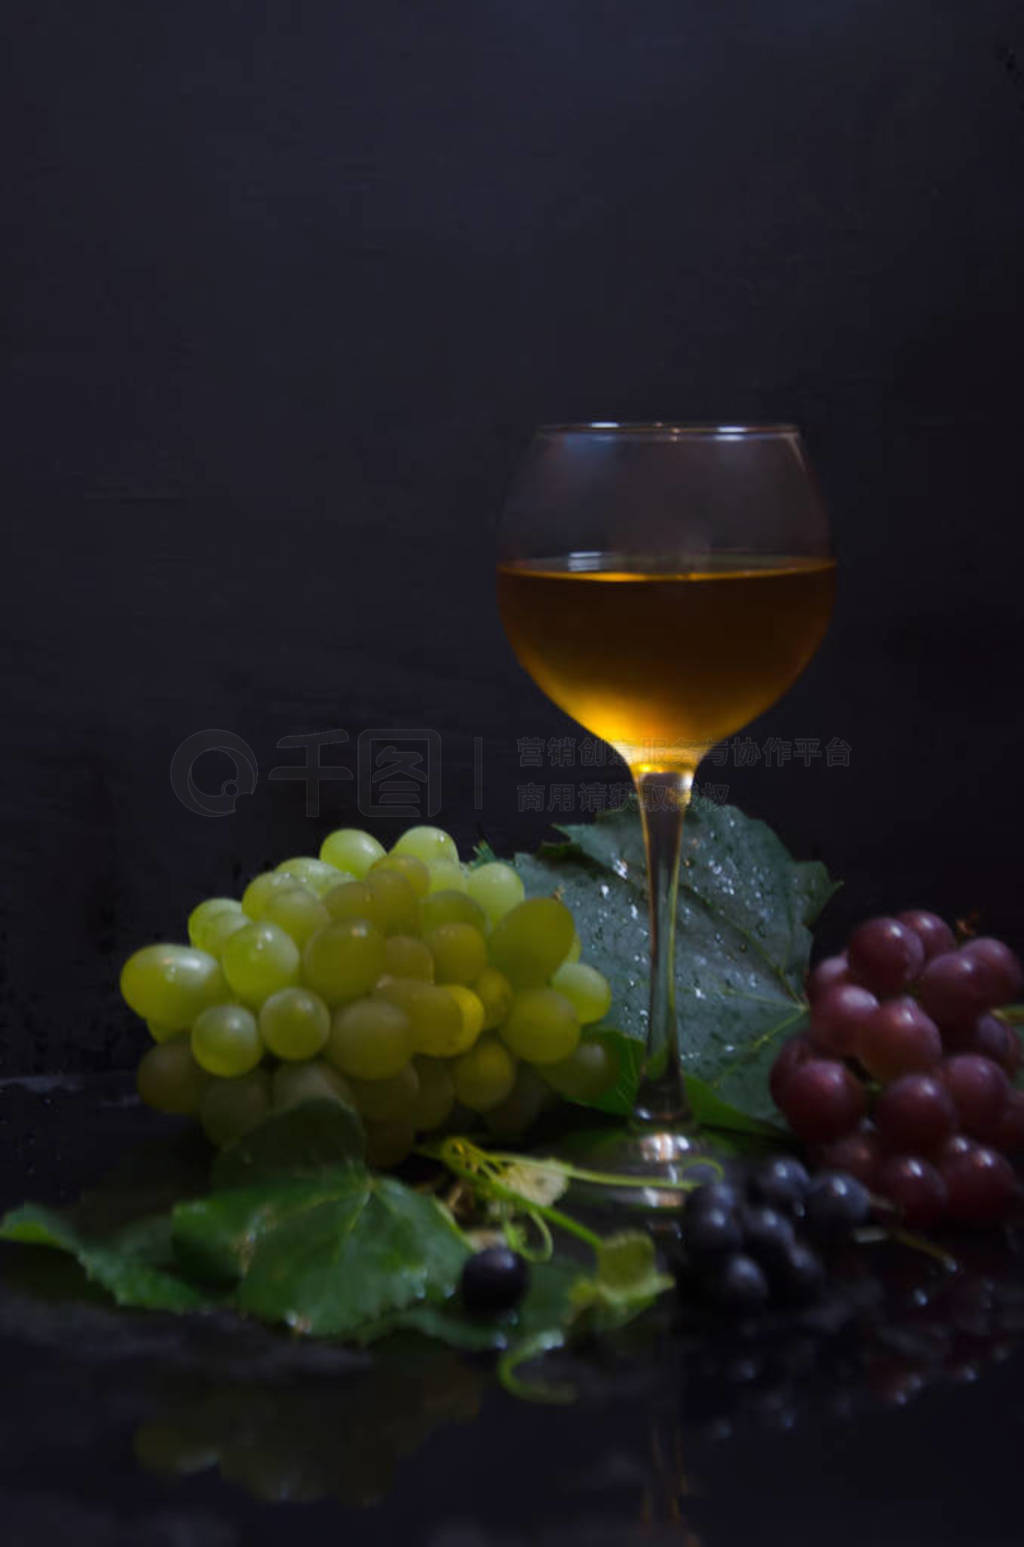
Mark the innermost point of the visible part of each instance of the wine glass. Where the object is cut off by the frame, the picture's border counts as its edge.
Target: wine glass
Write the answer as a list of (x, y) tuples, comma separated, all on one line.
[(664, 584)]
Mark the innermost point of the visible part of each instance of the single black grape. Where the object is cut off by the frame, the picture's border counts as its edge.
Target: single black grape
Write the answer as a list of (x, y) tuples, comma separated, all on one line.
[(782, 1183), (710, 1231), (738, 1282), (836, 1204), (767, 1234), (799, 1275), (711, 1195), (494, 1280)]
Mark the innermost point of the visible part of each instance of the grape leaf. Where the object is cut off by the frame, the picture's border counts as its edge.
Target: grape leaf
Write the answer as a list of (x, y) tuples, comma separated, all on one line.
[(546, 1309), (745, 906), (136, 1265), (298, 1142), (327, 1254), (627, 1281)]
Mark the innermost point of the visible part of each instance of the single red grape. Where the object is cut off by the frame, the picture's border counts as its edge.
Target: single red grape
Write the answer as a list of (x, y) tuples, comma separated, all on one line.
[(992, 1038), (822, 1100), (837, 1016), (954, 990), (915, 1186), (980, 1091), (1000, 965), (934, 933), (954, 1149), (858, 1154), (793, 1052), (1009, 1136), (830, 972), (898, 1038), (915, 1114), (884, 955), (982, 1186)]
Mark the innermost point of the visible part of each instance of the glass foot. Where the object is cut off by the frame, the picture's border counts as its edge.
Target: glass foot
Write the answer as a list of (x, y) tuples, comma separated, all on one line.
[(637, 1169)]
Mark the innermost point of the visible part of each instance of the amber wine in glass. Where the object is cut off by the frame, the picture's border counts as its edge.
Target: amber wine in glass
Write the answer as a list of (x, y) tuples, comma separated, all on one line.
[(658, 660), (664, 584)]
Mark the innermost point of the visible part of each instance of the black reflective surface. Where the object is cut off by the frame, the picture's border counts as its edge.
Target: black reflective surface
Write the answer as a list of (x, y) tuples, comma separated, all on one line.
[(892, 1413)]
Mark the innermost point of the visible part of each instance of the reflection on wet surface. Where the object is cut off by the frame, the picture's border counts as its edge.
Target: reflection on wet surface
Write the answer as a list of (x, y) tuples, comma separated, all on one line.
[(892, 1412)]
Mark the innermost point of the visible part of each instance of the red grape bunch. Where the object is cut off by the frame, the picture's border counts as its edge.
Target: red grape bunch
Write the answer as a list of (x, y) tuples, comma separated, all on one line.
[(903, 1078)]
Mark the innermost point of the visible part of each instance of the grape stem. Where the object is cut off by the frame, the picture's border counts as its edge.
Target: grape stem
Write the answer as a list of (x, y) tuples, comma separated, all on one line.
[(532, 1348), (478, 1168), (1012, 1014), (602, 1178)]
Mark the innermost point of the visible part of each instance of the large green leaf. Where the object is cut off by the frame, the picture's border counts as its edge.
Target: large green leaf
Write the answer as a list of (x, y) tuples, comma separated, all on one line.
[(745, 907), (136, 1266), (298, 1142), (325, 1255)]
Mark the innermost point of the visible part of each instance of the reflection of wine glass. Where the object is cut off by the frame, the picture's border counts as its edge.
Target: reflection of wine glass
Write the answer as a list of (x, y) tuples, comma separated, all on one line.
[(664, 584)]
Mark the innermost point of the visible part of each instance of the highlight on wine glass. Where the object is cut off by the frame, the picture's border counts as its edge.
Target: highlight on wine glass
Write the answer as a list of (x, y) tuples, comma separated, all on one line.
[(664, 584)]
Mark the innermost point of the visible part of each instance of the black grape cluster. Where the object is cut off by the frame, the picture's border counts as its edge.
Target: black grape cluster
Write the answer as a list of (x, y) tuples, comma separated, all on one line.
[(744, 1247), (903, 1077)]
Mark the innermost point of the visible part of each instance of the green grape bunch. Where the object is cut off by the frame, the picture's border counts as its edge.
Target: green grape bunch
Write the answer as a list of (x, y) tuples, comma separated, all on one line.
[(413, 987)]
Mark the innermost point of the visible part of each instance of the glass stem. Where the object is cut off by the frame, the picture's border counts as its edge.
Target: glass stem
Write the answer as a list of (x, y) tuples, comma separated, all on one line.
[(664, 795)]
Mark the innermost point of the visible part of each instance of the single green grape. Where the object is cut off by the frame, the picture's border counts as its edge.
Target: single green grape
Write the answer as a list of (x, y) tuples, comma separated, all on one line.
[(414, 871), (446, 876), (472, 1016), (436, 1016), (221, 927), (541, 1026), (387, 1144), (170, 984), (451, 908), (233, 1107), (497, 888), (407, 957), (294, 1023), (585, 1074), (484, 1076), (257, 895), (370, 1039), (351, 849), (161, 1033), (494, 991), (299, 912), (521, 1107), (169, 1079), (396, 906), (314, 874), (292, 1084), (388, 1101), (459, 952), (587, 990), (203, 915), (427, 843), (259, 960), (351, 900), (531, 941), (344, 960), (436, 1095), (226, 1040)]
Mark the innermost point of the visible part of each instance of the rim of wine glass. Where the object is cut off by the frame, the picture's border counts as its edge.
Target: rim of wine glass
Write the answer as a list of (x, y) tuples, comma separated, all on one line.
[(666, 427)]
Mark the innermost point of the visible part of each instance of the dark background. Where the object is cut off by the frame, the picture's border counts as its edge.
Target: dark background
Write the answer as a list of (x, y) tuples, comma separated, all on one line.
[(288, 285)]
